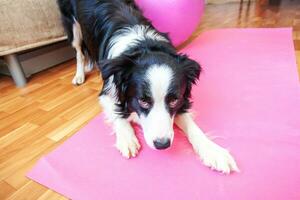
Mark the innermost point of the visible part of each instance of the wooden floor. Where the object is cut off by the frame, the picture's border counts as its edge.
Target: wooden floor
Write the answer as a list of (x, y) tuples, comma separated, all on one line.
[(36, 119)]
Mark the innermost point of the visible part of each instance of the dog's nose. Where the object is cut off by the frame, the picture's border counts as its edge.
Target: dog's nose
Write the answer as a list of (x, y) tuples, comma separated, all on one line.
[(162, 143)]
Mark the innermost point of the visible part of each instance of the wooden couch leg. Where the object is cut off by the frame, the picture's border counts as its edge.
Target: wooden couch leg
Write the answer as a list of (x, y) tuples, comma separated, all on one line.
[(15, 69)]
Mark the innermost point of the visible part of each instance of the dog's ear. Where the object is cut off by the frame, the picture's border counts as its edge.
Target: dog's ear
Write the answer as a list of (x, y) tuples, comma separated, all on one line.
[(191, 69), (120, 69), (119, 66)]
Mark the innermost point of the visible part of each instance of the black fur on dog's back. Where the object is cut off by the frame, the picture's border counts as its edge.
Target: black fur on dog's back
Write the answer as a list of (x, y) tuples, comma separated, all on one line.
[(99, 20)]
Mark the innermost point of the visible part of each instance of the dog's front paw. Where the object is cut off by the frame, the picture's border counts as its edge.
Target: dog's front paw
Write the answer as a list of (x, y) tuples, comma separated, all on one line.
[(128, 145), (78, 79), (216, 157)]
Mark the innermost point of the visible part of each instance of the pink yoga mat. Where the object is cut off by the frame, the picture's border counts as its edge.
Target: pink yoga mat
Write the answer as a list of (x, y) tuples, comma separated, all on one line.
[(248, 99)]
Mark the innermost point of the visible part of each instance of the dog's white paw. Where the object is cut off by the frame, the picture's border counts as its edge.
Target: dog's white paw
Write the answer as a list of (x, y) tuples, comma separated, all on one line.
[(216, 157), (78, 79), (128, 145)]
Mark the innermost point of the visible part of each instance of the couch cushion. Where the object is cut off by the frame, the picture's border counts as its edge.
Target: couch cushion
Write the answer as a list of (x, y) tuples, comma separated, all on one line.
[(28, 24)]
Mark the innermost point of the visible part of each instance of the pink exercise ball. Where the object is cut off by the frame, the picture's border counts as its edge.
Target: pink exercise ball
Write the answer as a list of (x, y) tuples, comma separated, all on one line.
[(179, 18)]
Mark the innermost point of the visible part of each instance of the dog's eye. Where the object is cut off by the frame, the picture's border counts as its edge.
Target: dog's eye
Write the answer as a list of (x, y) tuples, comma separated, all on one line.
[(144, 104), (173, 103)]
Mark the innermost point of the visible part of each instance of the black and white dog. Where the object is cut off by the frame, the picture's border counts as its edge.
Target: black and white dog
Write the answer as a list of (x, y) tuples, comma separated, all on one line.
[(145, 79)]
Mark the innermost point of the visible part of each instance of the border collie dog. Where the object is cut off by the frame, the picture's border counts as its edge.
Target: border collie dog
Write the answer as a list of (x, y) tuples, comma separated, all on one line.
[(145, 79)]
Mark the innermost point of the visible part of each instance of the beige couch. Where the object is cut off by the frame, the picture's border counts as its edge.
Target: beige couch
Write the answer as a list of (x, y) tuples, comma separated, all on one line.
[(27, 24)]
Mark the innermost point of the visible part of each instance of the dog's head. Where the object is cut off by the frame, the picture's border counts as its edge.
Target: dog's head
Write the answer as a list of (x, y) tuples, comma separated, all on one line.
[(156, 86)]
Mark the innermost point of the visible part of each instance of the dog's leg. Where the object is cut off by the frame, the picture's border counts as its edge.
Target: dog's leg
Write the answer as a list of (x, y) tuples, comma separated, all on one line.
[(126, 140), (212, 155), (76, 43), (89, 64)]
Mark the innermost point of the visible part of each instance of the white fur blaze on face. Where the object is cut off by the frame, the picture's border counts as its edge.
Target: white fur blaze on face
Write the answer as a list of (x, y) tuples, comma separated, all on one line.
[(158, 124)]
